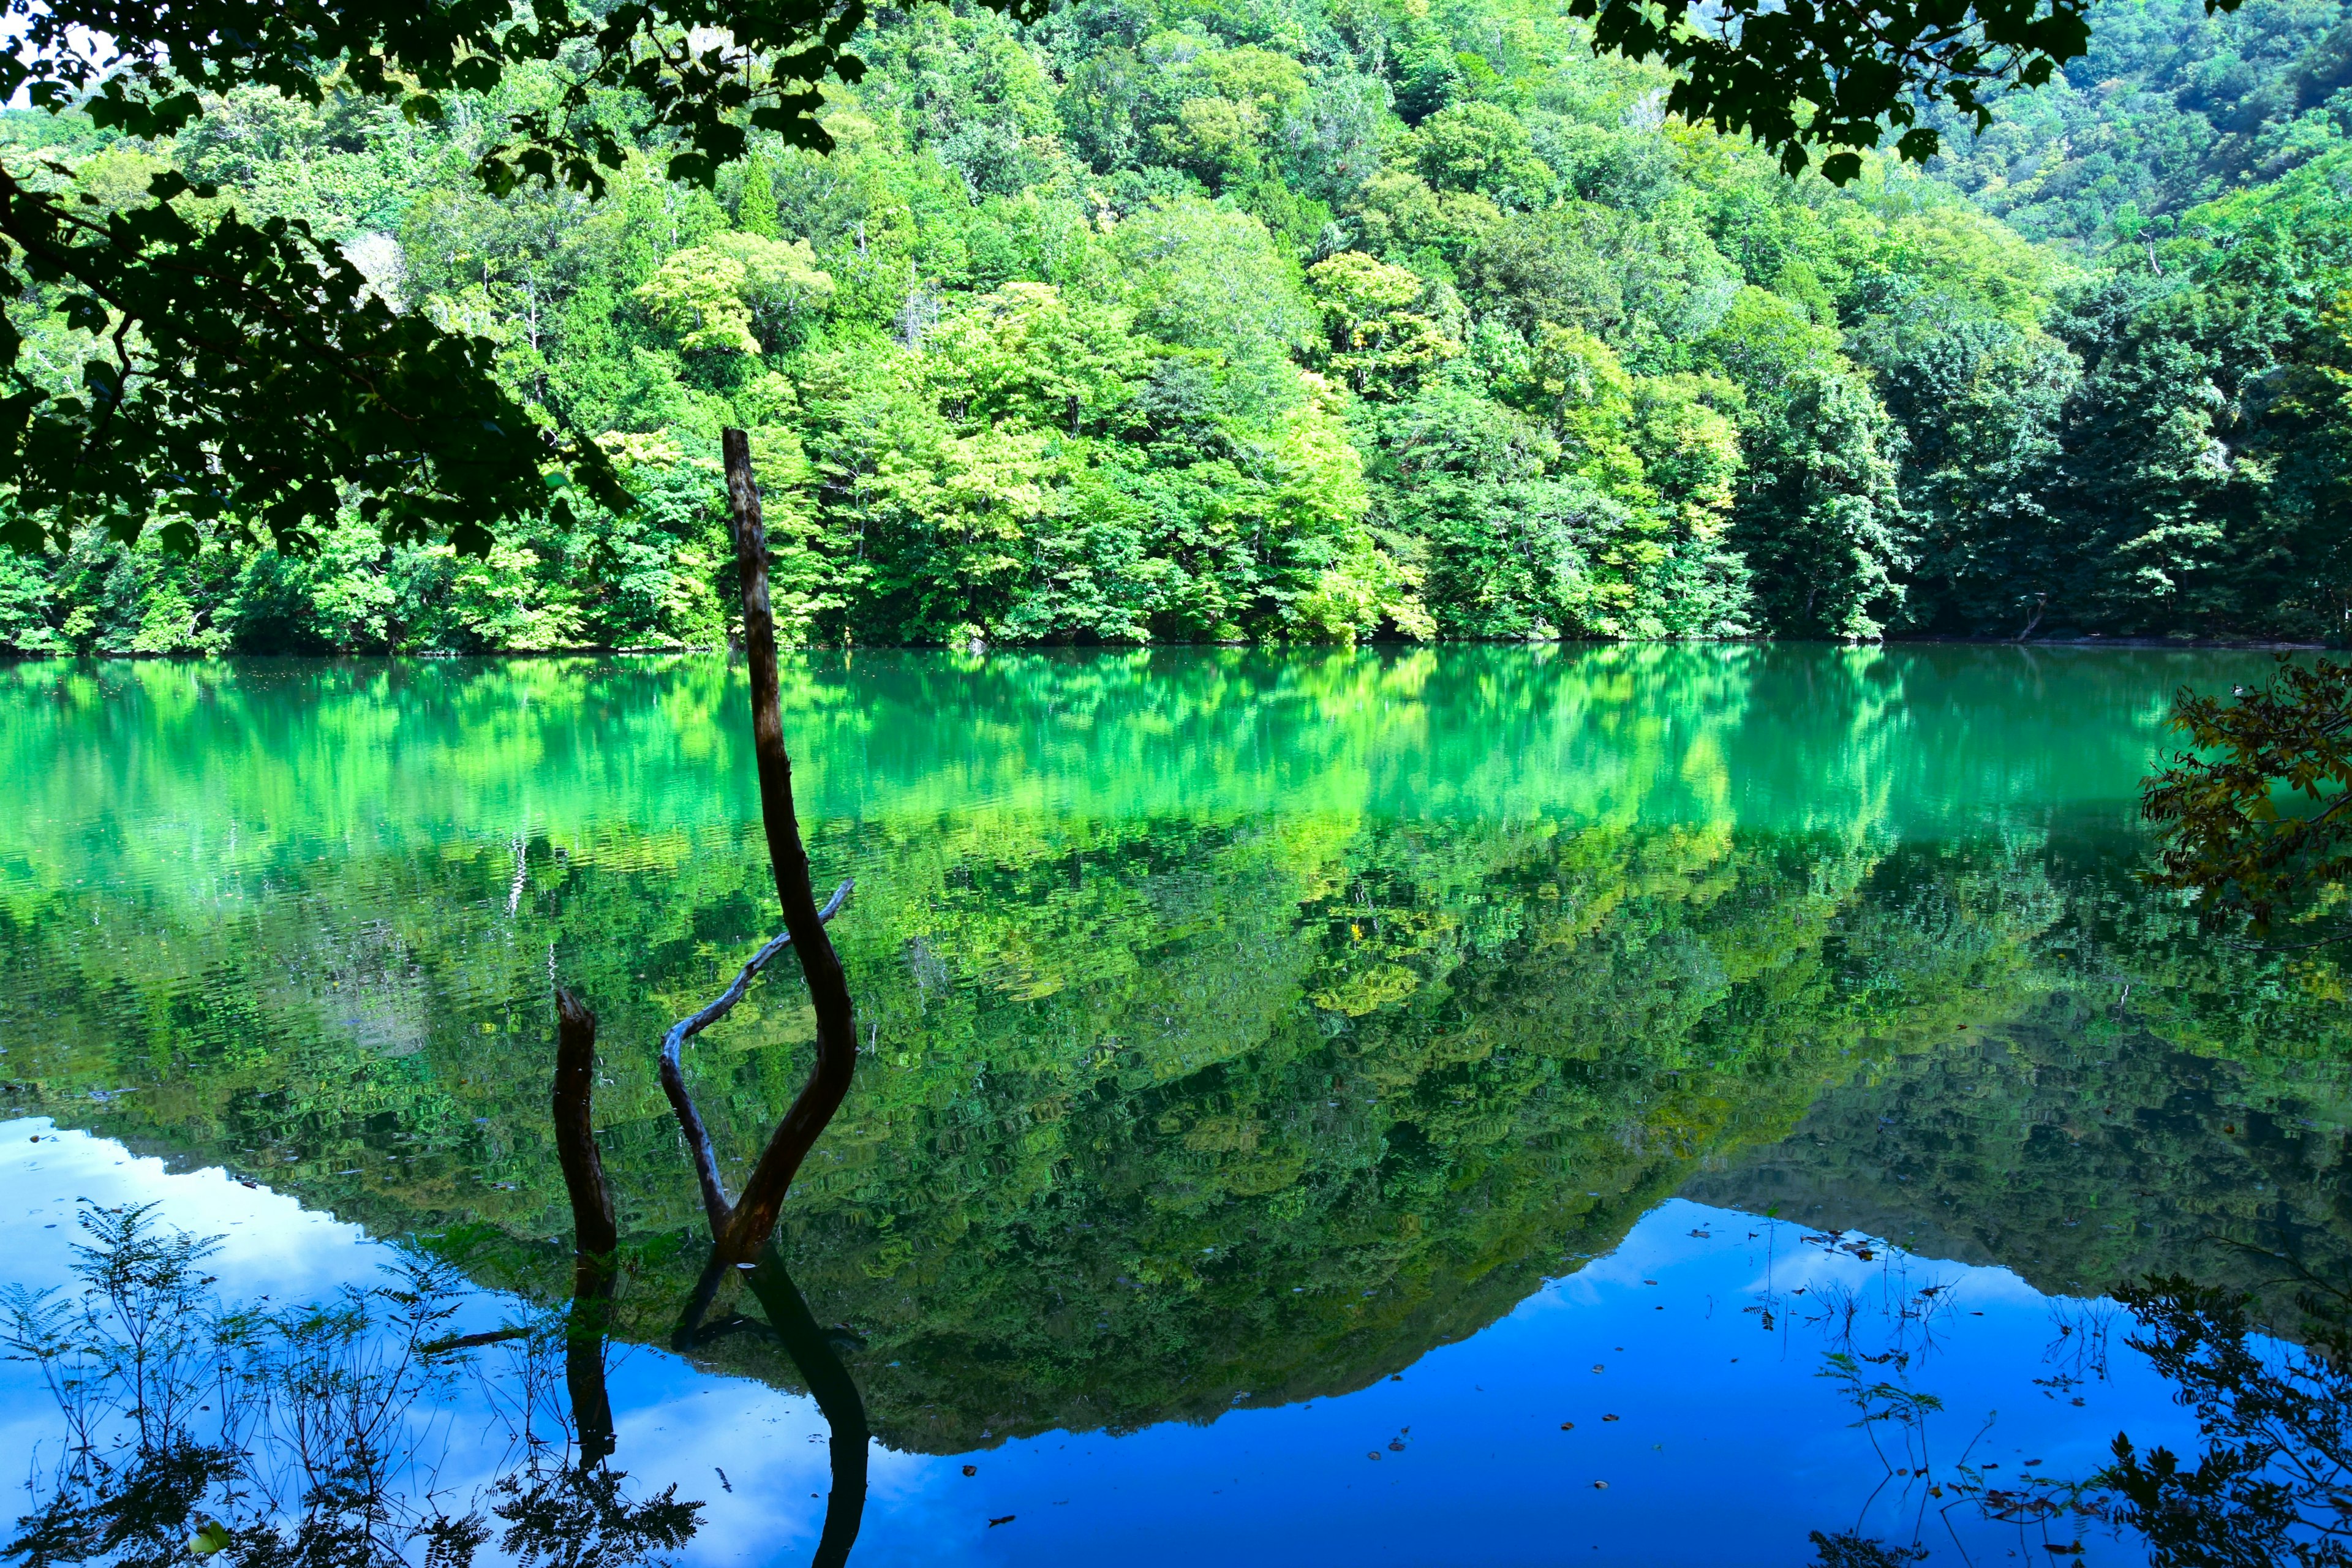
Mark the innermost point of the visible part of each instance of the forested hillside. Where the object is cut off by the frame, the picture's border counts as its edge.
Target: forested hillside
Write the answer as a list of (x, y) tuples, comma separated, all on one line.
[(2172, 107), (1320, 319)]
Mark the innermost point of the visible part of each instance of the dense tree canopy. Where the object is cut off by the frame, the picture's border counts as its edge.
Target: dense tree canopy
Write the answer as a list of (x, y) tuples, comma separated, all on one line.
[(1286, 321)]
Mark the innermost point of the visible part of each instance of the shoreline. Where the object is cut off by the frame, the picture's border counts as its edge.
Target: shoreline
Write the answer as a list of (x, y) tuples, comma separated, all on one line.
[(2093, 642)]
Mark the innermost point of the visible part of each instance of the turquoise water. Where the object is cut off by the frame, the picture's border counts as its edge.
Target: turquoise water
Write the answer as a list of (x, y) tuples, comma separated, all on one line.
[(1286, 1080)]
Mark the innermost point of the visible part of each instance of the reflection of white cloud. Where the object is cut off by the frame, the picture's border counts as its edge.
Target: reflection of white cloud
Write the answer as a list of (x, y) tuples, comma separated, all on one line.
[(1725, 1433), (268, 1241), (674, 1424)]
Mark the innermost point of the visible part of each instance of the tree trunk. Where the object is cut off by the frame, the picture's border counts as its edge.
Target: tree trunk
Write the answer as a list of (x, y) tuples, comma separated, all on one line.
[(837, 1031), (594, 1237)]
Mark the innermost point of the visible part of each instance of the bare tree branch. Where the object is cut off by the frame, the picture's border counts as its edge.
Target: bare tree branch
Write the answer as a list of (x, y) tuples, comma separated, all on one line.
[(672, 1076)]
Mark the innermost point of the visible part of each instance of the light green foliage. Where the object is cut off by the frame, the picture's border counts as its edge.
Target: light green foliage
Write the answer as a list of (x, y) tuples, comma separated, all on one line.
[(1209, 322), (1481, 147), (716, 294), (1381, 338)]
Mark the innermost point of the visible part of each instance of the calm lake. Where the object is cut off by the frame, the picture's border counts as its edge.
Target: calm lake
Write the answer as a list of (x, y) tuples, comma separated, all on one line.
[(1483, 1106)]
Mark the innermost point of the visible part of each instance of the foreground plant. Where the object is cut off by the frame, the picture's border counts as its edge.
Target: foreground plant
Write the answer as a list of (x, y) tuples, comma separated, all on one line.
[(243, 378), (2230, 836), (2273, 1485), (192, 1427)]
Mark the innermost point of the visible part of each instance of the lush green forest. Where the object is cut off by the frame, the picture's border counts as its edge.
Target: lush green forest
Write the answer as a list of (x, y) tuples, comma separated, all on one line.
[(1320, 319)]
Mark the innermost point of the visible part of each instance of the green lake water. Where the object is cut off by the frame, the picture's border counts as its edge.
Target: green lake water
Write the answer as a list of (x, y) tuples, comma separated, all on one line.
[(1283, 1076)]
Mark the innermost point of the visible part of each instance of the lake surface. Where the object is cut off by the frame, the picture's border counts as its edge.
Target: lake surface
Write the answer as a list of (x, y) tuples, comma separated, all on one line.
[(1632, 1105)]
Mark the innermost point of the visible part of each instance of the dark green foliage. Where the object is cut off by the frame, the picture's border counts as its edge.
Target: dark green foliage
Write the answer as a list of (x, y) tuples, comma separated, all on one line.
[(1836, 76), (2269, 1486), (265, 381), (1824, 520), (1981, 399), (2264, 828)]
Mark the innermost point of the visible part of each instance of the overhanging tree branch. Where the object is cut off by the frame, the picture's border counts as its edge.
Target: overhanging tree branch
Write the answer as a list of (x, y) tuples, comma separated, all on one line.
[(271, 389)]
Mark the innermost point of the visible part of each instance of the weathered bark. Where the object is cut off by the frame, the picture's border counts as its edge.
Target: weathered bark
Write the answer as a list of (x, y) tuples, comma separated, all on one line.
[(754, 1216), (715, 1202), (594, 1237)]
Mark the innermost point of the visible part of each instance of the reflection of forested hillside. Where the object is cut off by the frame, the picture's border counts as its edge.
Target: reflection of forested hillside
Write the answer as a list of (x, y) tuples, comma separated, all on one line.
[(1201, 1094), (2165, 1101), (2077, 1147), (1260, 1110)]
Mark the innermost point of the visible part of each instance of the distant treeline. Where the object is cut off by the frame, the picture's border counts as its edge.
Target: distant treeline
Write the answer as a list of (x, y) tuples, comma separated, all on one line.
[(1318, 319)]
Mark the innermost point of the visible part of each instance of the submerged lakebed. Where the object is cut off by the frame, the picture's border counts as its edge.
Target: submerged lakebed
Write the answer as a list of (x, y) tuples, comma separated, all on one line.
[(1469, 1105)]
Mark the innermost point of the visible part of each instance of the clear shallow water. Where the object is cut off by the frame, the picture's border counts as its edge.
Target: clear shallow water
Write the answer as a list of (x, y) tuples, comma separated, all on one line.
[(1247, 1033)]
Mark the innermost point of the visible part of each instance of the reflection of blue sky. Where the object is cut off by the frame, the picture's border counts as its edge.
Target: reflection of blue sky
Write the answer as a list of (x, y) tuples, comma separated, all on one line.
[(1728, 1450)]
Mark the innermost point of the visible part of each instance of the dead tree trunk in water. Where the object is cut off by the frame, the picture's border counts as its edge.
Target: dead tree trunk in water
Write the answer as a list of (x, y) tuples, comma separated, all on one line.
[(594, 1237), (754, 1215)]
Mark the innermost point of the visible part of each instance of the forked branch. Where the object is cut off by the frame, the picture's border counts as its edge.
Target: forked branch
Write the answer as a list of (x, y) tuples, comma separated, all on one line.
[(748, 1224), (715, 1202)]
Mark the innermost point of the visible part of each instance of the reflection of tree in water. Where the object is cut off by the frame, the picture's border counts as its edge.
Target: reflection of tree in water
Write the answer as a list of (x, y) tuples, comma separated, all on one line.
[(322, 1421), (2275, 1482), (285, 1435), (813, 1350), (2272, 1482), (1880, 1337), (315, 1435), (314, 1405), (311, 1435)]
